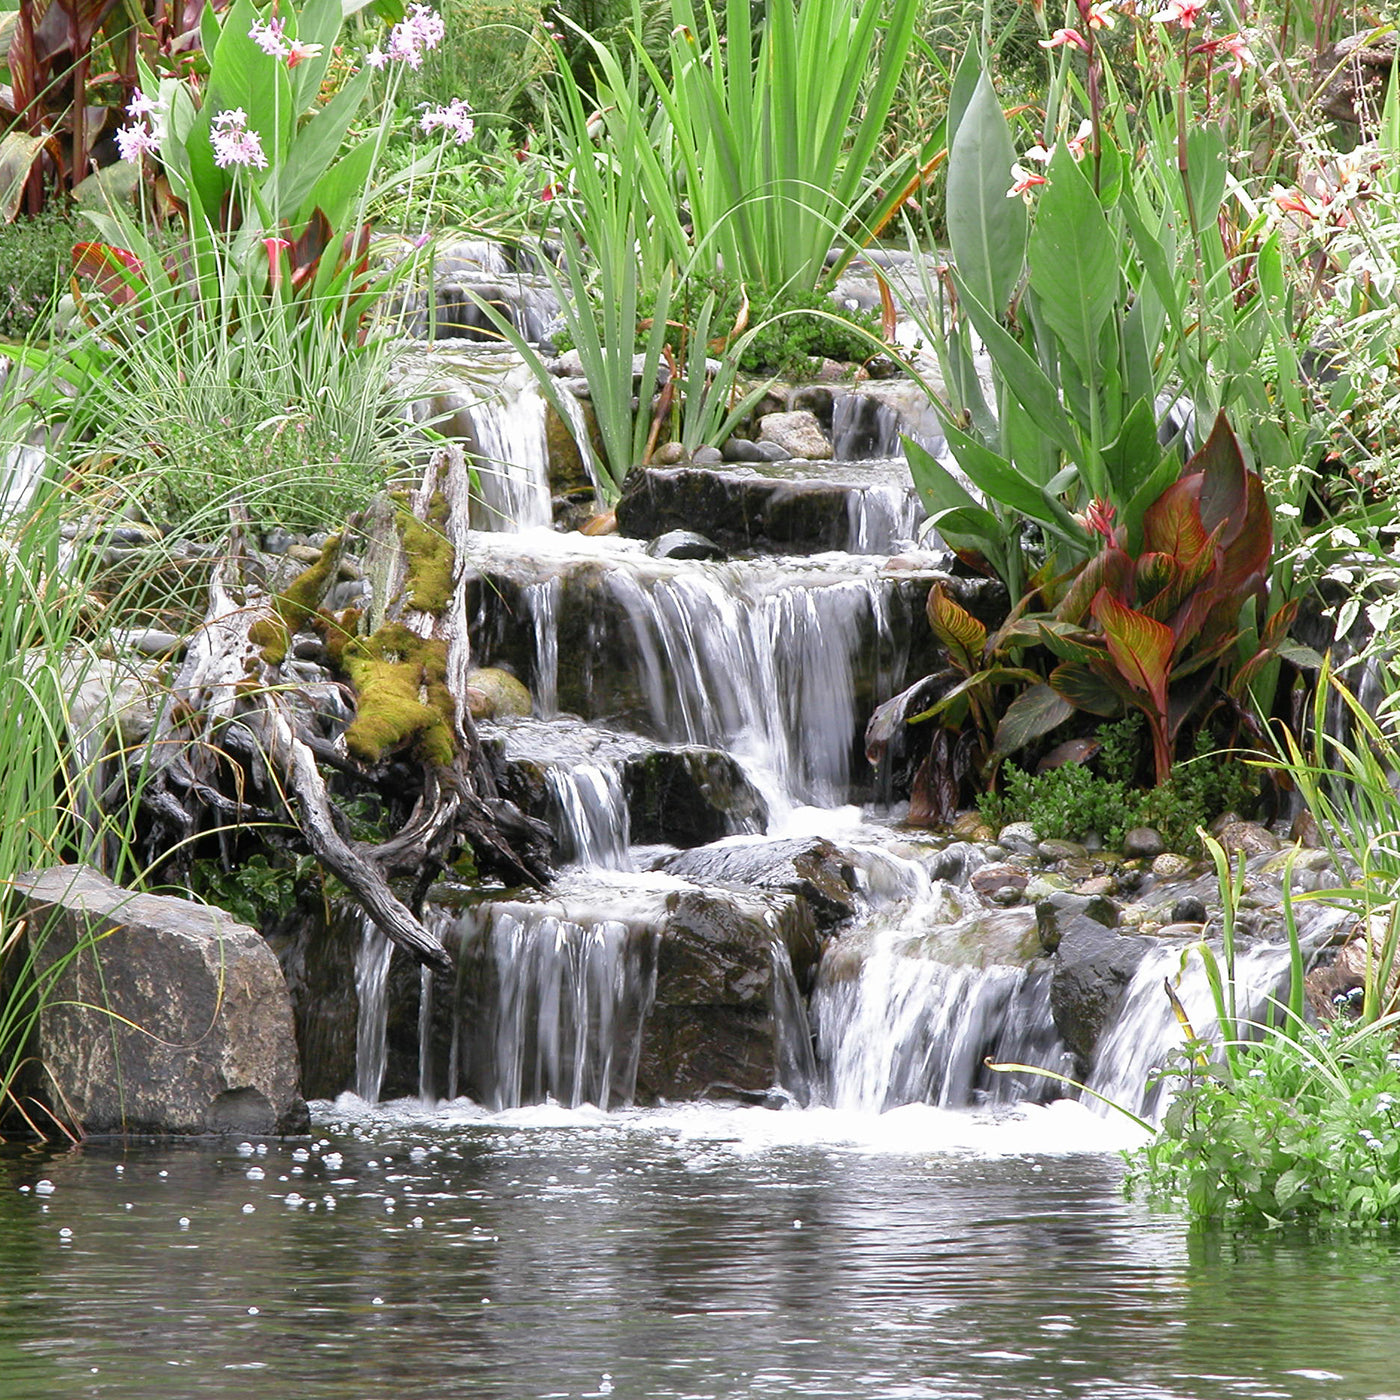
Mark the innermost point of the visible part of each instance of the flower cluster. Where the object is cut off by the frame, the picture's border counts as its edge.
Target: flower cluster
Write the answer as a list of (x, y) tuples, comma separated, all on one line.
[(271, 37), (233, 143), (455, 117), (1025, 180), (142, 137), (410, 38)]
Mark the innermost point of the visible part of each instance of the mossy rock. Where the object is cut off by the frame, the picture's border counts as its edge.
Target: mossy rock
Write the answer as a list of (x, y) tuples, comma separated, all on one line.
[(496, 694)]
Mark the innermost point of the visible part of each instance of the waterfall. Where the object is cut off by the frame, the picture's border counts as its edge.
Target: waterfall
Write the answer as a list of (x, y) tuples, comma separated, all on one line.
[(372, 987), (771, 679), (542, 601), (1146, 1031), (593, 821), (562, 1011)]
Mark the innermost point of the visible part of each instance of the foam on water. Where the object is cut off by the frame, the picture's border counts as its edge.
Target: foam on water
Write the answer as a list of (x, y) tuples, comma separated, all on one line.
[(1061, 1128)]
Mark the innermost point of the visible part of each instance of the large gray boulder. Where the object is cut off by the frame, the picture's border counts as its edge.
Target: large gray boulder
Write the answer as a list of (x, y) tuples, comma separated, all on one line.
[(1093, 966), (164, 1016)]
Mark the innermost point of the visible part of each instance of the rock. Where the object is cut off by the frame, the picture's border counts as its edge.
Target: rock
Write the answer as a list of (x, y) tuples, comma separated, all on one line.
[(1061, 850), (1143, 843), (1170, 866), (1093, 966), (1249, 837), (683, 544), (194, 1033), (1304, 830), (496, 694), (1355, 72), (796, 509), (771, 452), (814, 870), (998, 876), (967, 825), (706, 456), (1189, 909), (738, 449), (1019, 838), (1054, 912), (1098, 886), (669, 454), (798, 434)]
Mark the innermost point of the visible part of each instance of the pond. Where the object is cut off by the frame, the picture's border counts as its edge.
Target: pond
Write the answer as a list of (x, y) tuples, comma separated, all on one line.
[(677, 1252)]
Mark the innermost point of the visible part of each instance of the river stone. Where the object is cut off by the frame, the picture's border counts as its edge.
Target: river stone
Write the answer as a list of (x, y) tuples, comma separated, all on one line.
[(1054, 912), (1093, 966), (496, 694), (210, 1047), (707, 457), (684, 544), (739, 449), (814, 870), (670, 454), (1249, 837), (1143, 843), (998, 876), (798, 433), (1020, 838), (1189, 909), (1171, 866), (1054, 850)]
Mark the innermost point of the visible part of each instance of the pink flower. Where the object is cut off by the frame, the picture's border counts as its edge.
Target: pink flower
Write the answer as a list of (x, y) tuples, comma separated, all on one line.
[(1294, 202), (233, 143), (141, 106), (299, 52), (135, 141), (456, 117), (1099, 16), (423, 29), (376, 58), (268, 36), (1065, 36), (274, 248), (1236, 45), (1079, 143), (1180, 12), (1099, 517), (1024, 182)]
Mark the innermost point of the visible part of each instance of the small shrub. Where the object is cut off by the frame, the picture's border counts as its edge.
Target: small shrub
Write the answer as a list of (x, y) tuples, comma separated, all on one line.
[(1069, 802), (1306, 1129)]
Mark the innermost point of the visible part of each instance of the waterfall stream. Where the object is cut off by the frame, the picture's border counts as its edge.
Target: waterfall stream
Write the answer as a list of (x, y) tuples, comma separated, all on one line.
[(746, 682)]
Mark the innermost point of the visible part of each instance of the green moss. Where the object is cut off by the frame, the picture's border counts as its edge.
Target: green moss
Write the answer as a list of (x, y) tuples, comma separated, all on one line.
[(297, 605), (401, 681), (431, 558)]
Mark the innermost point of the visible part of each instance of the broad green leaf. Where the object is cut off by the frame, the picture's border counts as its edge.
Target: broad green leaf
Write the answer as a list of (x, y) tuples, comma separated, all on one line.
[(1034, 712), (1087, 690), (315, 151), (1207, 164), (1073, 262), (1130, 460), (987, 231), (1023, 376), (999, 480)]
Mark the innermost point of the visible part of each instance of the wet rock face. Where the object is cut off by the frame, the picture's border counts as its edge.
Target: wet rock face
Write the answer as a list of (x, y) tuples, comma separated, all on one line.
[(1093, 966), (815, 871), (711, 1032), (783, 508), (215, 1050)]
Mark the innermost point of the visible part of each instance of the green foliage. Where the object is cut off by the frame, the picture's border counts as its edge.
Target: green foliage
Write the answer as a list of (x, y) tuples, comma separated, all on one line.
[(1303, 1129), (34, 256), (1071, 801), (257, 890)]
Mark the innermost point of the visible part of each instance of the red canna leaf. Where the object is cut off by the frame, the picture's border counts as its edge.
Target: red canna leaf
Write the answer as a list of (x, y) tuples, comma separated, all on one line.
[(1172, 524), (115, 272), (961, 634), (1220, 465), (1141, 651)]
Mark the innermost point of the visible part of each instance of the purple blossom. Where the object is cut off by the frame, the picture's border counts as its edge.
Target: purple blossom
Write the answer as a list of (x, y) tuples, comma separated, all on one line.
[(267, 35), (423, 29), (140, 106), (455, 117), (136, 140), (233, 143), (376, 57)]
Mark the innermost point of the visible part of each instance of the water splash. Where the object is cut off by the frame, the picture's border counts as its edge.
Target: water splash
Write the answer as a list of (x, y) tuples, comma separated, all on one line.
[(372, 987)]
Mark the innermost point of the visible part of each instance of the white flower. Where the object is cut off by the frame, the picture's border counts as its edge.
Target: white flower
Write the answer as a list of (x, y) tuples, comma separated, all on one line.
[(456, 117), (135, 141)]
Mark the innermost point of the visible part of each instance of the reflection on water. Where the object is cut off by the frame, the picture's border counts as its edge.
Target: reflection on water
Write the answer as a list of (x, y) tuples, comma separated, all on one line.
[(691, 1252)]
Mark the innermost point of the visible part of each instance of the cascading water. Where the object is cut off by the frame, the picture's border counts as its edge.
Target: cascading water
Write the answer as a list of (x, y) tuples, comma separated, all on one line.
[(592, 815), (562, 1007), (372, 988)]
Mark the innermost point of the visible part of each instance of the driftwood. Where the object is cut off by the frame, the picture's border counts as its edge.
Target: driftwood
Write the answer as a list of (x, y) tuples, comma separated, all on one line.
[(234, 746)]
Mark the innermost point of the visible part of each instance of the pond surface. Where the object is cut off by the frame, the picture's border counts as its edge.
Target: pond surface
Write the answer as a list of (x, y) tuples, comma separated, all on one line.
[(689, 1252)]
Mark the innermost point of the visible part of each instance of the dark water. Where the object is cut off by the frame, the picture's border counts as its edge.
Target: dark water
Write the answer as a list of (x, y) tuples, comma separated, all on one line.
[(684, 1253)]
